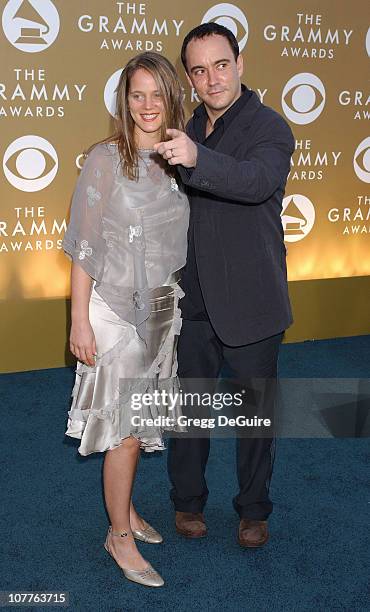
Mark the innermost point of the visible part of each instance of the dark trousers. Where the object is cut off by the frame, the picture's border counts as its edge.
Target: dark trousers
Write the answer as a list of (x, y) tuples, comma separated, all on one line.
[(201, 354)]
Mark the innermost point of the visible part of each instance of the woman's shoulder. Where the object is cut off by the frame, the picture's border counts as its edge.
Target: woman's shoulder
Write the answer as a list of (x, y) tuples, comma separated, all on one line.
[(100, 154), (102, 149)]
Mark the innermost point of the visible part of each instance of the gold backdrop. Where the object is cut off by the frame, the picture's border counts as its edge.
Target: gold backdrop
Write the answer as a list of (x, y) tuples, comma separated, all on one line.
[(61, 62)]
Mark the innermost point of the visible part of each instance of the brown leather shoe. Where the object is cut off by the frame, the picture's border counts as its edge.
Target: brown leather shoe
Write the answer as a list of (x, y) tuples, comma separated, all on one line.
[(191, 525), (252, 534)]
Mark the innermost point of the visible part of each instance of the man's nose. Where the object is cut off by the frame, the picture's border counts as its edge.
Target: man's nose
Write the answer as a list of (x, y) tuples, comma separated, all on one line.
[(212, 77)]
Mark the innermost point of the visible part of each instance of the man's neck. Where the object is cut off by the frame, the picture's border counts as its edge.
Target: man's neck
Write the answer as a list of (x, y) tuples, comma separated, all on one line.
[(213, 115)]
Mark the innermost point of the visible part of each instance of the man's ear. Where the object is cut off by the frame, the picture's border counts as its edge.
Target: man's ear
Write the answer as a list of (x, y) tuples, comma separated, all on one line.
[(240, 64), (189, 79)]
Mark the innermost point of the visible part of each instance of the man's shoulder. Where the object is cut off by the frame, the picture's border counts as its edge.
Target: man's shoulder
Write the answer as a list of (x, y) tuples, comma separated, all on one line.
[(264, 123), (268, 117), (253, 114)]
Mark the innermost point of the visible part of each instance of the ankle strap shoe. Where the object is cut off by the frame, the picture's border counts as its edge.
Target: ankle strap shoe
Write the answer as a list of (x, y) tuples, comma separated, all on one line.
[(147, 577), (149, 535)]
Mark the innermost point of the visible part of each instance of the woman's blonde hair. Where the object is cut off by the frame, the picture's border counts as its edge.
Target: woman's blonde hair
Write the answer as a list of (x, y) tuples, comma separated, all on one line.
[(171, 91)]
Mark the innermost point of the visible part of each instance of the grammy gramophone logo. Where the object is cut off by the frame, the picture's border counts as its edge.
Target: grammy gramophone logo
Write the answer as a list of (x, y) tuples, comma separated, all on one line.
[(30, 25), (298, 217)]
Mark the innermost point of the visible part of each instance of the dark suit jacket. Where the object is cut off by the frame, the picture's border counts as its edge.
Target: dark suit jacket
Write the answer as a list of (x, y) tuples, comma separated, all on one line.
[(236, 194)]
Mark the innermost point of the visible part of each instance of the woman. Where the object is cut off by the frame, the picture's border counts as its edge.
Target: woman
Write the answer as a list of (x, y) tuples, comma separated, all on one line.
[(127, 240)]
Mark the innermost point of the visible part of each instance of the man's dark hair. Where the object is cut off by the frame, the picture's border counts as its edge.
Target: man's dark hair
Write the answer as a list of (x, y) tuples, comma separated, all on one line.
[(208, 29)]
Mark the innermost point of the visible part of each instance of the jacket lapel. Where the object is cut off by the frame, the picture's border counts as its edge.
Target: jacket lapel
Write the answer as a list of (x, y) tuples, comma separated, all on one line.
[(234, 135)]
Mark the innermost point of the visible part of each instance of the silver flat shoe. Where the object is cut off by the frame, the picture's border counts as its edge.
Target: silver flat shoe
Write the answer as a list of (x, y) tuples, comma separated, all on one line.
[(149, 535), (147, 577)]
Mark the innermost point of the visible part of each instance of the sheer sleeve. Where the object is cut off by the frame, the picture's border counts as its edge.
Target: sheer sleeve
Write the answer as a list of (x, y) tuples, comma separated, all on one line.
[(84, 240)]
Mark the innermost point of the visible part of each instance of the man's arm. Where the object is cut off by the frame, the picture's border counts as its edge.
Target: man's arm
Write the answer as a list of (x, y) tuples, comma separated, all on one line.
[(251, 181)]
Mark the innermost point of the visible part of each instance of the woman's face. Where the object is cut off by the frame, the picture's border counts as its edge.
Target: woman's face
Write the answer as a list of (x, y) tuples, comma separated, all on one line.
[(146, 108)]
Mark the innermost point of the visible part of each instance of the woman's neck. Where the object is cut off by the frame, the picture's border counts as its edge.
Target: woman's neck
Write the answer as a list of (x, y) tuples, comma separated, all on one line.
[(147, 141)]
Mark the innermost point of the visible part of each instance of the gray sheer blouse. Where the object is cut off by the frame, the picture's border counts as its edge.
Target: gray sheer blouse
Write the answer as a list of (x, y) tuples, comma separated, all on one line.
[(129, 236)]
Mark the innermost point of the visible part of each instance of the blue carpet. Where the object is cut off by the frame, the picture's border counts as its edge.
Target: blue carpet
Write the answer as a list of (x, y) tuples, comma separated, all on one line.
[(53, 521)]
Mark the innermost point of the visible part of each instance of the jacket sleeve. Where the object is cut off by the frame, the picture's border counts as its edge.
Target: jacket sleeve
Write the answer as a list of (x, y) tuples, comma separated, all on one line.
[(253, 180)]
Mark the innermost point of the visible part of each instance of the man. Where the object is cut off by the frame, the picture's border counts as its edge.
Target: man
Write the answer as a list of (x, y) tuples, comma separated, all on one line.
[(235, 160)]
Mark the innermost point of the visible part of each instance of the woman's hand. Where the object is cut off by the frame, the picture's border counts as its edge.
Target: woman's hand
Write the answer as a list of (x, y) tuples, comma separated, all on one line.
[(82, 342), (82, 339)]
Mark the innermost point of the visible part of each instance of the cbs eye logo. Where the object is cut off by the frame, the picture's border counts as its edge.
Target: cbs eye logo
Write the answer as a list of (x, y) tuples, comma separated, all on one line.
[(30, 163), (232, 18), (31, 25), (303, 98), (361, 160), (110, 94)]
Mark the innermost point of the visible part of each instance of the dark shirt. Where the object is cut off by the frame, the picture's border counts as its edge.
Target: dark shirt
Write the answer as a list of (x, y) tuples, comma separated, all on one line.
[(192, 305), (221, 124)]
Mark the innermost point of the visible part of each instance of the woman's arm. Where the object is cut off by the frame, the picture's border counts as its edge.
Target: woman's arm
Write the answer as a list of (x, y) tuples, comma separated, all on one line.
[(84, 243), (82, 339)]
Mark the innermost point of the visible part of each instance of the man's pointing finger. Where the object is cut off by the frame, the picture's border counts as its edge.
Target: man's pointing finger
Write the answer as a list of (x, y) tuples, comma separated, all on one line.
[(174, 133)]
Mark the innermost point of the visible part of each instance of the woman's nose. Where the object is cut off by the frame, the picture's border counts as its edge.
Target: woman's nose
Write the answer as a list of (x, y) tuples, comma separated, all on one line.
[(148, 102)]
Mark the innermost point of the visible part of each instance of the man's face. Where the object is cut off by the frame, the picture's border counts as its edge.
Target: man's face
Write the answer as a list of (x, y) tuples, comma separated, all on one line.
[(213, 72)]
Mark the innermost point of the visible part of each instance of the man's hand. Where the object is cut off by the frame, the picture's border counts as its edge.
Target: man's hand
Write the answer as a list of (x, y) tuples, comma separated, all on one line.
[(179, 150)]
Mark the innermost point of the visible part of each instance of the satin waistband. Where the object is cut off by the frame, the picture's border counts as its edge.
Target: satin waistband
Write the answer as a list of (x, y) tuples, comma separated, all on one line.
[(161, 298), (173, 278)]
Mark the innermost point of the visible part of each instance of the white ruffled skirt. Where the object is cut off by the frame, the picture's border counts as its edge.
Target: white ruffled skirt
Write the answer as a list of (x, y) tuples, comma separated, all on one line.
[(102, 412)]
